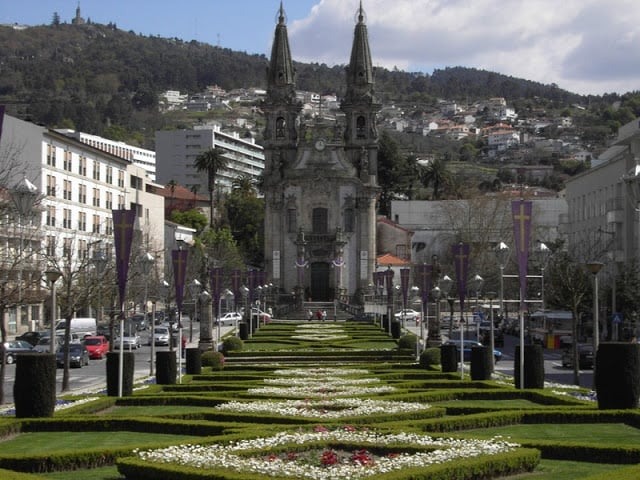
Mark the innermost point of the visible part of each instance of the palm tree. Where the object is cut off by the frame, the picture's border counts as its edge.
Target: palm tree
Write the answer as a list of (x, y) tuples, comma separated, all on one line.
[(438, 174), (244, 185), (210, 161)]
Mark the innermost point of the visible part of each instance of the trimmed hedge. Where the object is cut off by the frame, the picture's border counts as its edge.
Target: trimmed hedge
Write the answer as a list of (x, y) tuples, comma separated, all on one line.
[(232, 344), (166, 368), (449, 358), (34, 388), (481, 363), (128, 367), (194, 361), (430, 358), (617, 375), (533, 367), (215, 360)]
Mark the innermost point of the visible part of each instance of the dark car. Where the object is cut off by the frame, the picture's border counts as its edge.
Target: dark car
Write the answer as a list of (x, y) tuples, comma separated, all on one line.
[(468, 344), (11, 349), (78, 355), (585, 352), (31, 337)]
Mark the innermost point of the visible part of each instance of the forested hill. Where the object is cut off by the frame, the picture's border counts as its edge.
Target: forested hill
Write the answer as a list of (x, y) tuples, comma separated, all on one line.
[(93, 75)]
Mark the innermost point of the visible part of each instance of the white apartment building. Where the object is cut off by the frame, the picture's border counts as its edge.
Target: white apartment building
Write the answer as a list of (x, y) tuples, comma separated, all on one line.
[(176, 152), (80, 186), (145, 159), (603, 219)]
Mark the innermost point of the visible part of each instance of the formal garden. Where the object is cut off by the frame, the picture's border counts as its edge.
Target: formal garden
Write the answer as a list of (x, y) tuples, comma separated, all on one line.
[(321, 400)]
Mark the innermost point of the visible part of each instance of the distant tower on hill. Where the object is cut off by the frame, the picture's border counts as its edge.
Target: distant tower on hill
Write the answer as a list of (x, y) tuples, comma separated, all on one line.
[(78, 20)]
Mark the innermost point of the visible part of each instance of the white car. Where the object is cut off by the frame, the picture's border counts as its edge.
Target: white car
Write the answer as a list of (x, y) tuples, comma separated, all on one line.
[(161, 335), (129, 342), (408, 314), (230, 318), (263, 316)]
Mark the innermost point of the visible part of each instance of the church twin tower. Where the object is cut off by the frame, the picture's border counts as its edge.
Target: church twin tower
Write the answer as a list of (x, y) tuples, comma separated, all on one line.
[(320, 179)]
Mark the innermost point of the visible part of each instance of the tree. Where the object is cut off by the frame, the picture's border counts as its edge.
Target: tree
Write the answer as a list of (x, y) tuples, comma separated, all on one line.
[(394, 172), (191, 218), (55, 21), (569, 286), (245, 214), (210, 162), (436, 174)]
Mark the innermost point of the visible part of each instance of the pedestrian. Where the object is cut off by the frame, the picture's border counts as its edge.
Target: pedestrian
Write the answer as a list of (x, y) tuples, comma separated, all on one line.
[(324, 315), (309, 315), (319, 314)]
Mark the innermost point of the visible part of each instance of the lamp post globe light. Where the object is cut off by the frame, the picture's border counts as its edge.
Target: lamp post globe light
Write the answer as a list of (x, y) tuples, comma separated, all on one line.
[(195, 288), (543, 252), (502, 257), (52, 278), (146, 262), (476, 283), (594, 268), (434, 337)]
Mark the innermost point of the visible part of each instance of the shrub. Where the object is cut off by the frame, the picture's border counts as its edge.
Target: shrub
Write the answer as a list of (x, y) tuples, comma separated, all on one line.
[(113, 374), (231, 344), (449, 358), (481, 363), (212, 359), (34, 388), (430, 358), (408, 342), (166, 368), (533, 367), (194, 361), (617, 375)]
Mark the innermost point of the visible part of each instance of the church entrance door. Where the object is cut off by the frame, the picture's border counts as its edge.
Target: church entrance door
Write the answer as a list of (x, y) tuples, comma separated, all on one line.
[(320, 288)]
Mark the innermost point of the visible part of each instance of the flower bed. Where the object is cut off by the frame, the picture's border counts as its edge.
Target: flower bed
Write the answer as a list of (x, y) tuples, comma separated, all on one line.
[(322, 454)]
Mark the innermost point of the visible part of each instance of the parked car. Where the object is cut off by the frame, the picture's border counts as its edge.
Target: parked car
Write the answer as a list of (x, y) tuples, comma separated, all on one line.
[(97, 346), (408, 314), (138, 321), (585, 352), (161, 335), (31, 337), (230, 318), (129, 342), (468, 344), (263, 316), (13, 348), (78, 355)]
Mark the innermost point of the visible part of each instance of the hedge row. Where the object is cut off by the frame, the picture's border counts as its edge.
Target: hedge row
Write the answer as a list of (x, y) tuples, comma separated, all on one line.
[(509, 463)]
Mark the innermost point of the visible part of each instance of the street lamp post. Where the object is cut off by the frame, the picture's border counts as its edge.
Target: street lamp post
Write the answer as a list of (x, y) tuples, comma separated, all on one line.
[(226, 295), (436, 293), (205, 321), (244, 290), (99, 259), (195, 288), (52, 277), (476, 284), (492, 343), (146, 261), (502, 256), (594, 268), (543, 256)]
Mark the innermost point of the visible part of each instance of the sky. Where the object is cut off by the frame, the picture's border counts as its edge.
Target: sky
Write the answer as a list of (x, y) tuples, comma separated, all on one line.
[(584, 46)]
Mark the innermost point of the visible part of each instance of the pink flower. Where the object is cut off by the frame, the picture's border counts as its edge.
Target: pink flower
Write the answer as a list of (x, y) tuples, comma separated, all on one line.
[(329, 457), (320, 429)]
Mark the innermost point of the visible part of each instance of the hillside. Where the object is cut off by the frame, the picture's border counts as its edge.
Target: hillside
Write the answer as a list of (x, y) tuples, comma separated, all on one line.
[(92, 76)]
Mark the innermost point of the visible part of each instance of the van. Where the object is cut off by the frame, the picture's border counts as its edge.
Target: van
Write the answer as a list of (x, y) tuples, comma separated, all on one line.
[(79, 326)]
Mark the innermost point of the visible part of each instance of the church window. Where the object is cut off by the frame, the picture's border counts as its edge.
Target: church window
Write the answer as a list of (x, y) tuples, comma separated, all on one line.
[(319, 220), (349, 220), (291, 220), (280, 128), (361, 125)]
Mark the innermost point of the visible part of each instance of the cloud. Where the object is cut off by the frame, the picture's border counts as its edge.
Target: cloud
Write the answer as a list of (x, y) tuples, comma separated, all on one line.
[(585, 46)]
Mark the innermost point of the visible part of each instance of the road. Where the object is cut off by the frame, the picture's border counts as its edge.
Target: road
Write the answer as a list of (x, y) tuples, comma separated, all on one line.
[(93, 377), (554, 372)]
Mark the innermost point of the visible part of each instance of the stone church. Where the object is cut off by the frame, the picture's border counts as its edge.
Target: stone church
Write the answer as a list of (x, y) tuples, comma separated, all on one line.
[(320, 180)]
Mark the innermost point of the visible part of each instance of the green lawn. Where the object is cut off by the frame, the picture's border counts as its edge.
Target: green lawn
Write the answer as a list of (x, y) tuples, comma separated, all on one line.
[(61, 442), (585, 433)]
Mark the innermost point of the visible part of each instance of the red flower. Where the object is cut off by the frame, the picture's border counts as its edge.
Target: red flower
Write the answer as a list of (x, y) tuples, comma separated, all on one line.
[(362, 457), (329, 457), (272, 457), (291, 456), (320, 428)]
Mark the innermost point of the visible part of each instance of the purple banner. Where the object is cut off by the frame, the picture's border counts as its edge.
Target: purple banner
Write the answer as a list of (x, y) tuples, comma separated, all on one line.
[(179, 260), (521, 212), (460, 253), (123, 221), (388, 276), (422, 277), (251, 280), (215, 279)]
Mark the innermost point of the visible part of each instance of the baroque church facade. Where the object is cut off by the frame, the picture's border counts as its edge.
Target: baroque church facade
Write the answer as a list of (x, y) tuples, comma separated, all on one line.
[(320, 180)]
